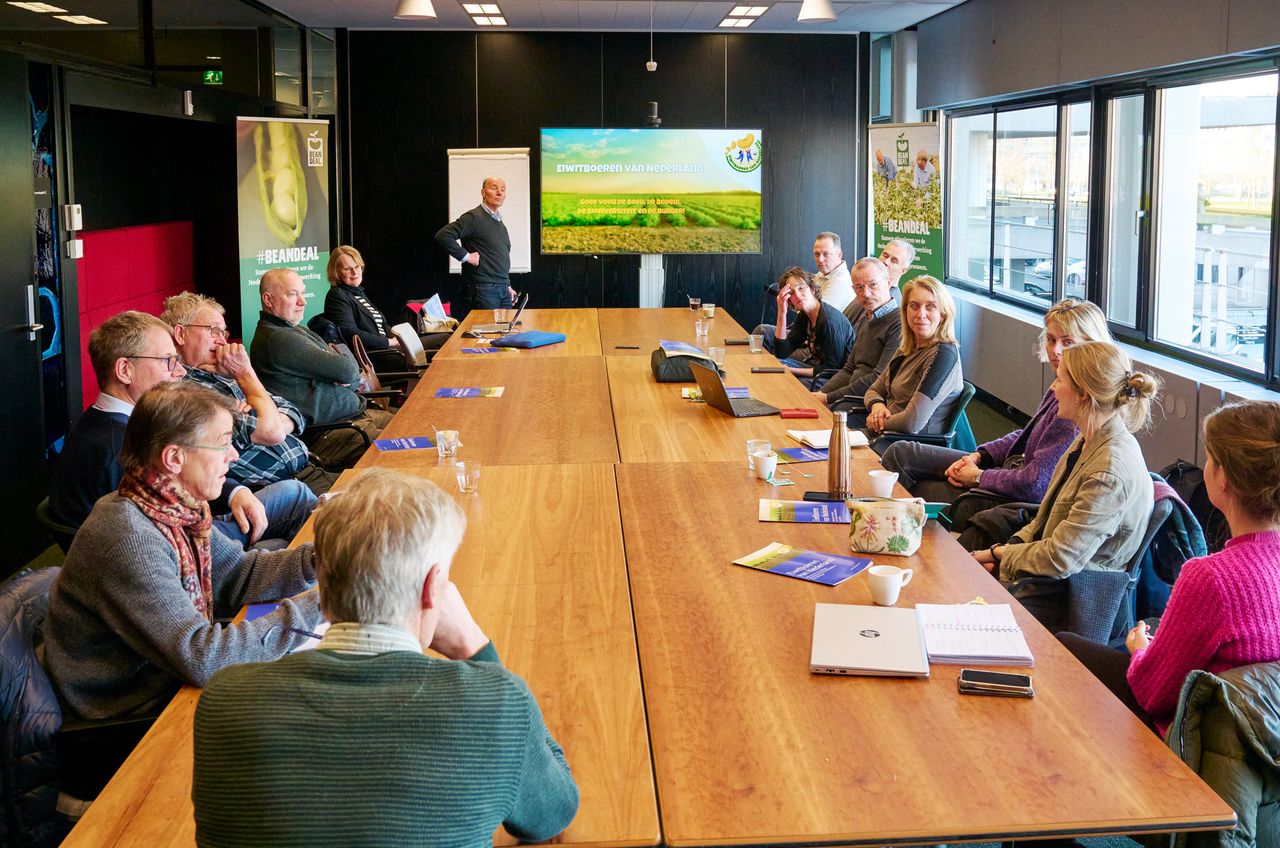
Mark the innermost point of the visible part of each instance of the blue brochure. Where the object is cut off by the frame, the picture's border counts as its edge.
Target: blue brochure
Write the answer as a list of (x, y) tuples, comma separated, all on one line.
[(405, 443)]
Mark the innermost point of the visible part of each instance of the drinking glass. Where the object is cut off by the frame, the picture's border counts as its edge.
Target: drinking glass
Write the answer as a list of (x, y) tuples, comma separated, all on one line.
[(709, 310), (755, 446), (701, 328), (717, 356), (757, 344), (468, 473), (447, 443), (695, 303)]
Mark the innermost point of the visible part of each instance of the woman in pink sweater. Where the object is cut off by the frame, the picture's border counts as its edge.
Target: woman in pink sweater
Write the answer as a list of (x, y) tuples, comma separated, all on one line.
[(1225, 609)]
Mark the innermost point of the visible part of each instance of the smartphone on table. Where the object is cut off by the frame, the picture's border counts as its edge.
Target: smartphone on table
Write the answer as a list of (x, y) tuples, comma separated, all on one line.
[(974, 681)]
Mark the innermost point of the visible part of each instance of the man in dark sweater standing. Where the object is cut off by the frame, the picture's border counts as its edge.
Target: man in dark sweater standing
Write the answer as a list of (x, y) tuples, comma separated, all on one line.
[(367, 740), (480, 241)]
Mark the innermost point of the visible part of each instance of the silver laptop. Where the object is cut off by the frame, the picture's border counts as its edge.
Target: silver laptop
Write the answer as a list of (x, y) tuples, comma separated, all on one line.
[(880, 641), (717, 397), (505, 326)]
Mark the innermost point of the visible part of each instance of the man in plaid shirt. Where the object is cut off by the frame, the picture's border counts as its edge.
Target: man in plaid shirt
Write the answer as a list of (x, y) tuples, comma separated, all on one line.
[(266, 429)]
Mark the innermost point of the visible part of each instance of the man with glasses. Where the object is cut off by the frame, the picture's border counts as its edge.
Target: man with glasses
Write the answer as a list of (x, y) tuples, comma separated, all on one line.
[(130, 353), (877, 332), (318, 379), (266, 425)]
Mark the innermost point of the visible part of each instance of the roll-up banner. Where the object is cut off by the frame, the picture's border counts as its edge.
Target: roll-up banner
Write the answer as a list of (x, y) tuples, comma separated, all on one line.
[(906, 192), (282, 165)]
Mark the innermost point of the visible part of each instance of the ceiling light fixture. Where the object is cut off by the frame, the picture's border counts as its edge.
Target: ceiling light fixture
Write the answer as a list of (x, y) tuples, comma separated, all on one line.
[(415, 10), (37, 7), (473, 8), (816, 12), (79, 19)]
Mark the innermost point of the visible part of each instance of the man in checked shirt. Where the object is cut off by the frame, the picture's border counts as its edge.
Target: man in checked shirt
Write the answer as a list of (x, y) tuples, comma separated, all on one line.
[(266, 430)]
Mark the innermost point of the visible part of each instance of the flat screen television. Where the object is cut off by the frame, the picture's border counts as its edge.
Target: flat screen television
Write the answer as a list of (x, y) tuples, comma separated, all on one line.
[(651, 191)]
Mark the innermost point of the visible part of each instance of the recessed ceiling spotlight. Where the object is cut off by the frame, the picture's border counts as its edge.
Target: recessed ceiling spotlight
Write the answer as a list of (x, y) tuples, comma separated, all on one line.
[(214, 58), (37, 7), (79, 19)]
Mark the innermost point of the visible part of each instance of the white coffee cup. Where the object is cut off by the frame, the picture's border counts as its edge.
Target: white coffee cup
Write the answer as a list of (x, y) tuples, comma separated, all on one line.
[(886, 581), (882, 482), (766, 463)]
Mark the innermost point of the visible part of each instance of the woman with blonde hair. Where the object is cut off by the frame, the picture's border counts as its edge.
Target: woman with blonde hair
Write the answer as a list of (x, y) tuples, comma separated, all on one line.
[(347, 303), (1100, 496), (1016, 466), (917, 390), (1225, 608)]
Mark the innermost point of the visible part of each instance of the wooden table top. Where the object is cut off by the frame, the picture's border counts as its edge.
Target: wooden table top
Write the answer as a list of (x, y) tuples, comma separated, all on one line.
[(582, 334), (654, 424), (646, 327), (749, 747), (553, 410), (549, 586)]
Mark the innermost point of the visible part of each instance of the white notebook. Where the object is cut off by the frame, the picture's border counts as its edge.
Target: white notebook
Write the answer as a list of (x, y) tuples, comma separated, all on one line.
[(973, 634), (820, 439)]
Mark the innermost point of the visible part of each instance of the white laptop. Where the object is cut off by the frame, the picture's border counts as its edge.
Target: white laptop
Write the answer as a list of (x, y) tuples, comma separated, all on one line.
[(881, 641)]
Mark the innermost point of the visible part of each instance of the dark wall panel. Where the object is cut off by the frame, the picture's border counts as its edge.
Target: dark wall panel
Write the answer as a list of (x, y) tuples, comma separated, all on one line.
[(414, 95), (132, 169)]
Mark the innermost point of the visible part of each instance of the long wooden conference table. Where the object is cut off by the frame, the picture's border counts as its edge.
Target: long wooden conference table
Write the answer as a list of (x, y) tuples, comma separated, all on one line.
[(598, 557)]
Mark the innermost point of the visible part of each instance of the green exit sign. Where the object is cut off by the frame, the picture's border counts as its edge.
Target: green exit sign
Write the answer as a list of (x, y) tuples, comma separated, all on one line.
[(213, 77)]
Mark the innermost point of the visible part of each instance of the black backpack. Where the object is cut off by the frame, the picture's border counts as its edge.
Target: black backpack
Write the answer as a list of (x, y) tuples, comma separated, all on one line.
[(1188, 481)]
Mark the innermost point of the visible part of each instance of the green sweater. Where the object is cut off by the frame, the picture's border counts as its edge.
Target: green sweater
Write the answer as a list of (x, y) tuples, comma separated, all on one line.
[(326, 748)]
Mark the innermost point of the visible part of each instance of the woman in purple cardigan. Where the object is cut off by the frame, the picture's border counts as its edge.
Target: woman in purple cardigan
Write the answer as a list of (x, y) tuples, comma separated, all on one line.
[(1015, 467)]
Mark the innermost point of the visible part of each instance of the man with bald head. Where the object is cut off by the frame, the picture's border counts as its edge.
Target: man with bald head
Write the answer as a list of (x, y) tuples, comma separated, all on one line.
[(317, 378), (480, 241)]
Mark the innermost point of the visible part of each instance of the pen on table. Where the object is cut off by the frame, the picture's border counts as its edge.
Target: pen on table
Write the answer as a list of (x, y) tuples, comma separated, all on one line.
[(306, 633), (626, 347)]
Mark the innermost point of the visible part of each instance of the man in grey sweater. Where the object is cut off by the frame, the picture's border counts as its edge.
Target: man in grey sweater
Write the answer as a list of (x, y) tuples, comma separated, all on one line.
[(319, 380), (877, 331), (480, 241)]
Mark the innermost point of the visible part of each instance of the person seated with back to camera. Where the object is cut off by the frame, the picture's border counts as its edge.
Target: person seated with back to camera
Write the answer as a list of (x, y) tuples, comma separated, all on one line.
[(132, 613), (918, 390), (877, 332), (1224, 611), (1018, 465), (820, 337), (412, 749), (1100, 496)]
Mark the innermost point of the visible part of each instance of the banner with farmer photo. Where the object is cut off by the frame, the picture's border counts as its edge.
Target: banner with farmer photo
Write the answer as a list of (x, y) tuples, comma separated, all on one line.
[(906, 192), (282, 168)]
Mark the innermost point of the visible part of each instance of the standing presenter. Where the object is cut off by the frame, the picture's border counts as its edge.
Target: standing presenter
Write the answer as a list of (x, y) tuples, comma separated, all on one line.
[(479, 240)]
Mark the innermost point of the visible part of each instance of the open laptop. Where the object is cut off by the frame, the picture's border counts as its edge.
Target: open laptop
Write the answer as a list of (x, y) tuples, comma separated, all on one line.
[(879, 641), (713, 392), (505, 326)]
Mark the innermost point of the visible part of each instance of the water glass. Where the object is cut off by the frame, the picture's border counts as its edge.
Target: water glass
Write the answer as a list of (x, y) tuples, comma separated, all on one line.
[(447, 443), (468, 473), (701, 328), (717, 356), (499, 316), (755, 446), (757, 344)]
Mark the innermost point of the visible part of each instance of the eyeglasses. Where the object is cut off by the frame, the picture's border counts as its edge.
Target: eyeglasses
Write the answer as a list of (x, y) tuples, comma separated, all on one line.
[(170, 361), (349, 269), (857, 289), (216, 332), (215, 448)]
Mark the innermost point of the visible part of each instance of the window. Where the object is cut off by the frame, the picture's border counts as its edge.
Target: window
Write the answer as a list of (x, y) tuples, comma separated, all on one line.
[(969, 198), (1075, 206), (287, 47), (1212, 257), (882, 78), (1026, 181), (1124, 212), (324, 75)]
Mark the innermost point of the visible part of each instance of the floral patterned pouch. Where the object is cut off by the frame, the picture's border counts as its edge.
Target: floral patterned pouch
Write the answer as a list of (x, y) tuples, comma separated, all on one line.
[(885, 525)]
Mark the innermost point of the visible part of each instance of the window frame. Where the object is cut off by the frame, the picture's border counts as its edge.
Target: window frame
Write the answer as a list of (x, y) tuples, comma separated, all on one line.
[(1142, 334)]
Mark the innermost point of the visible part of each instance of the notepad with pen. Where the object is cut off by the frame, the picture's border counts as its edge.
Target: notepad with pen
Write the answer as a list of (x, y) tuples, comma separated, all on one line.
[(973, 634)]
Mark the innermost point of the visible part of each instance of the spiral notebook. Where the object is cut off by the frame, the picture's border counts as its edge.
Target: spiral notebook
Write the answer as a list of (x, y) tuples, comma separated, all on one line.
[(973, 634)]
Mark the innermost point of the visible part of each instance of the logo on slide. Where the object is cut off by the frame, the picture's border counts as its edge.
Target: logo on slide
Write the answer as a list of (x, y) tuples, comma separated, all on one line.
[(744, 154)]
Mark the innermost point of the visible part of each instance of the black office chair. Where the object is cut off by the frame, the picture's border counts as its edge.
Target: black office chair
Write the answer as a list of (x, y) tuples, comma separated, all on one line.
[(62, 533), (957, 434), (1098, 603)]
